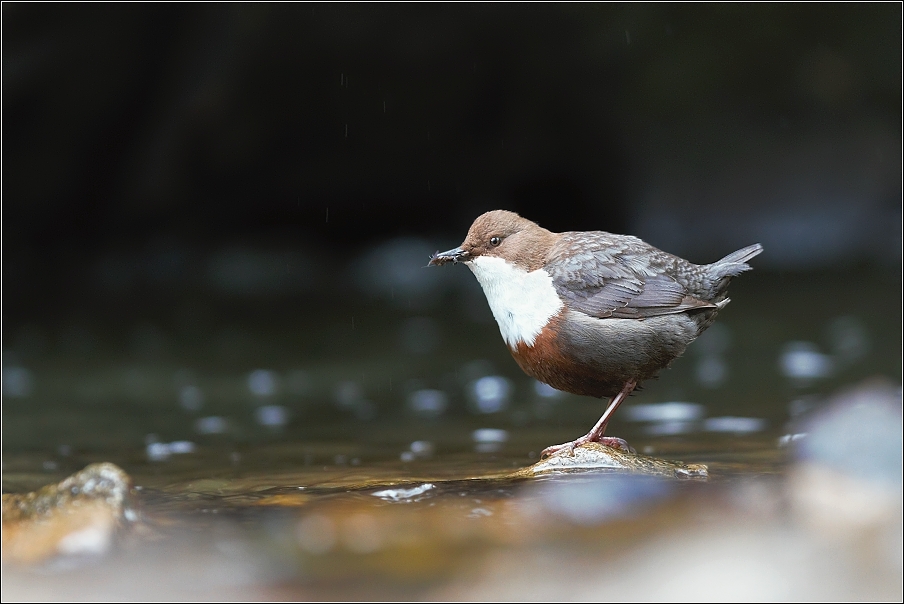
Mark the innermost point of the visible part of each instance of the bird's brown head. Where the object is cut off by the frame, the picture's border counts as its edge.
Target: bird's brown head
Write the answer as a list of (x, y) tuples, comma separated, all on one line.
[(502, 234)]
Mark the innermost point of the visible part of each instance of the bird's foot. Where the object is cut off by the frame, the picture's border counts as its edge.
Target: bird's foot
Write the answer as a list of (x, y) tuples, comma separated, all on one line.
[(608, 441)]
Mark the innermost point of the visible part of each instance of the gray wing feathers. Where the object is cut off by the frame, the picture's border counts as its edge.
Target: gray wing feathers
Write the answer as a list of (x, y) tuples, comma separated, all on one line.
[(659, 290), (609, 276)]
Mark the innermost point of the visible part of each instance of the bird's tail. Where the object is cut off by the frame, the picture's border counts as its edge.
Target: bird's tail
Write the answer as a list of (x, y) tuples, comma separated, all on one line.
[(735, 263), (719, 273)]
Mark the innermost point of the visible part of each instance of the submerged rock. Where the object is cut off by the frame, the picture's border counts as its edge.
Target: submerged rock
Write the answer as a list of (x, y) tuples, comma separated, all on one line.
[(594, 456), (76, 516)]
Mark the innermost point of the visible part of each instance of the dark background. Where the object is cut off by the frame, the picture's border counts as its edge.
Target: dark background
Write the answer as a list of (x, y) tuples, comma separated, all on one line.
[(237, 185), (125, 124)]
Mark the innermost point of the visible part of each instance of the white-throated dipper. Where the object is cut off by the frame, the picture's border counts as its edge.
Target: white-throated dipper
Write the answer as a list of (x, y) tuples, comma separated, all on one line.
[(590, 312)]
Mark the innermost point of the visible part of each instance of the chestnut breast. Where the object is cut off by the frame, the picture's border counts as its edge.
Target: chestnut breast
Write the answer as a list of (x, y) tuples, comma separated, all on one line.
[(588, 356)]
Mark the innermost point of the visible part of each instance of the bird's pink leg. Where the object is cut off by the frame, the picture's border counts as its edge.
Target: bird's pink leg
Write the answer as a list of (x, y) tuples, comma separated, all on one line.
[(596, 433)]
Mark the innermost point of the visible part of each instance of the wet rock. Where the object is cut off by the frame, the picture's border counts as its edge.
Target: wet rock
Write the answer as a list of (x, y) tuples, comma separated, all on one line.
[(79, 515), (594, 456), (847, 477)]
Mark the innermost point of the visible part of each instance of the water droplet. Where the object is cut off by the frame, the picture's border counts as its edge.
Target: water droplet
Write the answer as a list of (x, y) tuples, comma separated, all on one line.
[(664, 412), (737, 425), (803, 361), (271, 415), (492, 436), (17, 382), (191, 398), (262, 382), (428, 402), (490, 394), (213, 424)]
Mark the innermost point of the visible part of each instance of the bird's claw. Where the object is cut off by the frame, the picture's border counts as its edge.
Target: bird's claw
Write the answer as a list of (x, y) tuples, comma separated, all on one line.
[(607, 441), (550, 451)]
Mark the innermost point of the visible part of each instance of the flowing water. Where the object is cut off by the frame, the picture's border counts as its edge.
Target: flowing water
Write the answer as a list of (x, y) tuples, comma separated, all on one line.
[(324, 448)]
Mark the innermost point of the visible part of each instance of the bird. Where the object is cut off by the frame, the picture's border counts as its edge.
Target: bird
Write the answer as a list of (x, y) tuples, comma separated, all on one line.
[(591, 312)]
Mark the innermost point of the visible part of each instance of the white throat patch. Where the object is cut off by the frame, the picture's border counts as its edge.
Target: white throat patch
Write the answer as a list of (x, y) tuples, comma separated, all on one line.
[(522, 302)]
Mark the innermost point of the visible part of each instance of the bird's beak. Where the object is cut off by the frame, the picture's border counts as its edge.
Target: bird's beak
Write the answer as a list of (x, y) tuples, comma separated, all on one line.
[(454, 256)]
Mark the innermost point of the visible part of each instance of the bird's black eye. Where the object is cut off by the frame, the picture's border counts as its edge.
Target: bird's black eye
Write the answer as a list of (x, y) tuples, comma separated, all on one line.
[(494, 241)]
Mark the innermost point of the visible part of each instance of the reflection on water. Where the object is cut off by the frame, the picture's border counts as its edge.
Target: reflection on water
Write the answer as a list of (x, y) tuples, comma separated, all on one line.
[(280, 455)]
